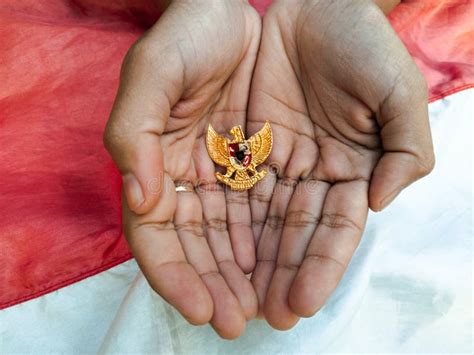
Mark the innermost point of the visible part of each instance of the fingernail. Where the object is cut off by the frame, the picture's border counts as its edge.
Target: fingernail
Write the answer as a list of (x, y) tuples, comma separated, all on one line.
[(133, 191), (389, 199)]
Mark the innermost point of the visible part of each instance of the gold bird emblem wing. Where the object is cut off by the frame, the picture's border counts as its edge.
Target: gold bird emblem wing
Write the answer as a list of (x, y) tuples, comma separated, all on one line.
[(217, 148), (261, 144)]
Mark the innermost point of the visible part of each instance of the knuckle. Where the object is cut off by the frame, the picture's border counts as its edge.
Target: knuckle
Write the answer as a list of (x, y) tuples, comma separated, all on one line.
[(238, 199), (301, 219), (153, 225), (427, 164), (258, 222), (138, 52), (266, 260), (193, 228), (216, 224), (327, 259), (275, 222), (289, 267), (112, 138), (225, 262), (134, 229), (239, 224), (288, 181), (210, 274), (336, 221), (261, 196)]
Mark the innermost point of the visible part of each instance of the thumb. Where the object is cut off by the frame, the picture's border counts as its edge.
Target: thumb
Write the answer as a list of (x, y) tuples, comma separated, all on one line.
[(406, 140), (139, 116)]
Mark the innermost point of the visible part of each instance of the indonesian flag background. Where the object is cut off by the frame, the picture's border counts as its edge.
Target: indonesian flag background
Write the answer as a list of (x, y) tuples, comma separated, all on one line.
[(67, 283)]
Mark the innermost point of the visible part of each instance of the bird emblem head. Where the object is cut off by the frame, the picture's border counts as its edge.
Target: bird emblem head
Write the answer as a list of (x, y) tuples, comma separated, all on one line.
[(237, 133)]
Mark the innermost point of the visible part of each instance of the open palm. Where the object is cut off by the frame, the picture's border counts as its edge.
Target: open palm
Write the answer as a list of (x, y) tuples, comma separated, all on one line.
[(191, 69), (348, 109)]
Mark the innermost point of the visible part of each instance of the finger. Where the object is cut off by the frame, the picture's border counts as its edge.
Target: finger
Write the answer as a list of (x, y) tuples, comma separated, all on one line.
[(154, 242), (240, 286), (331, 248), (302, 217), (141, 110), (228, 319), (267, 249), (213, 202), (406, 139), (260, 197), (240, 230)]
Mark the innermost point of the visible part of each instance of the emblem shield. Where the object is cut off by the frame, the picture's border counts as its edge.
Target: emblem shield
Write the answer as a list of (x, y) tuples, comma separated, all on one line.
[(240, 154)]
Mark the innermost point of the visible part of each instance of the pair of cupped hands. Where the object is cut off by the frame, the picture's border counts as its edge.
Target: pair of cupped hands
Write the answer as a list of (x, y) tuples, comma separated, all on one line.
[(348, 110)]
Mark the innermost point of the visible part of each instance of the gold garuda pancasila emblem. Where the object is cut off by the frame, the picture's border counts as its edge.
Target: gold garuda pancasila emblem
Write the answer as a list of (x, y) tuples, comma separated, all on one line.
[(240, 156)]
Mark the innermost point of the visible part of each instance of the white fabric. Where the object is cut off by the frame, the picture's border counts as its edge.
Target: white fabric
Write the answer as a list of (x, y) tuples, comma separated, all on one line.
[(408, 288)]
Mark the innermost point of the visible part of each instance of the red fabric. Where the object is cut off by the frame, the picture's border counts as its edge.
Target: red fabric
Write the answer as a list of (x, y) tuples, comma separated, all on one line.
[(439, 34), (59, 68)]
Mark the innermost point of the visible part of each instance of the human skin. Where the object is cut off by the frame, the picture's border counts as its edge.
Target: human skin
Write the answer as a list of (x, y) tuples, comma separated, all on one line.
[(191, 69), (348, 108), (194, 67)]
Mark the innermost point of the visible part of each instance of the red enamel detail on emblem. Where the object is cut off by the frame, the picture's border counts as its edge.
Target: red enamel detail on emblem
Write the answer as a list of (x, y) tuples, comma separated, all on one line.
[(233, 149), (247, 160)]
